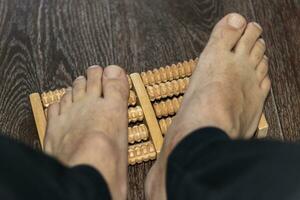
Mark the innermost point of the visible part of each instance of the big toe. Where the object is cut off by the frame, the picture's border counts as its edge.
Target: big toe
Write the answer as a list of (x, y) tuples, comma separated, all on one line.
[(228, 31), (115, 84)]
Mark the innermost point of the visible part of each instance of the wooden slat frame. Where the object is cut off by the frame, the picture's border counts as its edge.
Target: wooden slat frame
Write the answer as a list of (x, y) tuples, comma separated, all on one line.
[(150, 117)]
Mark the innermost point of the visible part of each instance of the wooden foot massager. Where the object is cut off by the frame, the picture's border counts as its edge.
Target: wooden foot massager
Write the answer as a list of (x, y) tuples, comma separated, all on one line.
[(155, 97)]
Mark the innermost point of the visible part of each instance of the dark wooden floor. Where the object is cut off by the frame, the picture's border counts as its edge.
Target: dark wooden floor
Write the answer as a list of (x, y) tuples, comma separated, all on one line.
[(44, 44)]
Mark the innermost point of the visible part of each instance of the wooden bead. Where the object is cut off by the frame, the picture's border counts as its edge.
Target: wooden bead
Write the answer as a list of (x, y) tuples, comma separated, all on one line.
[(157, 76), (168, 89), (135, 114), (132, 98), (165, 124), (52, 97), (167, 107), (129, 81), (188, 67), (141, 152), (169, 73), (163, 74), (175, 70), (137, 133)]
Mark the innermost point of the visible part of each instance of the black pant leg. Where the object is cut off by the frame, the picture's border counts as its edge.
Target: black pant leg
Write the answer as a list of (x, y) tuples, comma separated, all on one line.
[(208, 165), (28, 174)]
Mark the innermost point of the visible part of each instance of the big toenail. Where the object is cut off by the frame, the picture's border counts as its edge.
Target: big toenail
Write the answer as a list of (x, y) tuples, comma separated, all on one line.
[(80, 77), (94, 66), (257, 25), (266, 58), (236, 21), (112, 71)]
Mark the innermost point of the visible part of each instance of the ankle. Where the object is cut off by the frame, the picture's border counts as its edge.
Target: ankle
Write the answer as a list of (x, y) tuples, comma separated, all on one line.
[(209, 116), (227, 122), (218, 108)]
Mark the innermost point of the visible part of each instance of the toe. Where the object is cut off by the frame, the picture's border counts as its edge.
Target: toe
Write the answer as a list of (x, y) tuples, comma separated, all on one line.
[(115, 84), (247, 41), (79, 88), (228, 31), (66, 100), (262, 69), (266, 85), (94, 81), (53, 111), (258, 51)]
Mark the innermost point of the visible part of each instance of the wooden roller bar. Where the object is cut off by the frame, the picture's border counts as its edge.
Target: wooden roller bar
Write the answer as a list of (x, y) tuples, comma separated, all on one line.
[(167, 107), (141, 152), (55, 96), (169, 73), (168, 89), (135, 114), (52, 96)]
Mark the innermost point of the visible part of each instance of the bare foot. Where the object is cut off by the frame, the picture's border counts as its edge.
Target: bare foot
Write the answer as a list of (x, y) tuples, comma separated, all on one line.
[(89, 126), (227, 91)]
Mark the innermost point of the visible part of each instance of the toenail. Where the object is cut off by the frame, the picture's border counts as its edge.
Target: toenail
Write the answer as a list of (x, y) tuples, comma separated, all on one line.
[(236, 21), (80, 77), (266, 57), (257, 25), (112, 71), (262, 41), (94, 66)]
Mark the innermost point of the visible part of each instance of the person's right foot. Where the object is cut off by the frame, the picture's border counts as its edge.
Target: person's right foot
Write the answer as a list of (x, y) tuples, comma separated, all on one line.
[(89, 126), (227, 91)]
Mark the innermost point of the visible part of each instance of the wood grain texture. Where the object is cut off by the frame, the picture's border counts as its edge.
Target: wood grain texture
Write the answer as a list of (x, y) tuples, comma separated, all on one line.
[(47, 43), (283, 50)]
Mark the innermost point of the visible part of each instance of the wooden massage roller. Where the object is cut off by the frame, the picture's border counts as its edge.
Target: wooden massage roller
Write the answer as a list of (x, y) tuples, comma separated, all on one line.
[(167, 107), (167, 89), (155, 97), (140, 152), (169, 73)]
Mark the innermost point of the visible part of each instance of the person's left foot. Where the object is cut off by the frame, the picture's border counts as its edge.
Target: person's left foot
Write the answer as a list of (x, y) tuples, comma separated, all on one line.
[(227, 90), (89, 126)]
